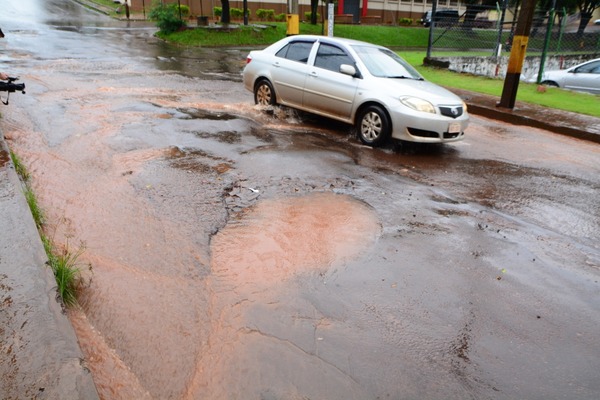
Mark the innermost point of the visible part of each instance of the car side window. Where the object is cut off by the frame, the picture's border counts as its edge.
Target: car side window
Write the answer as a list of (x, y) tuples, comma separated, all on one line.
[(331, 57), (296, 51), (591, 68)]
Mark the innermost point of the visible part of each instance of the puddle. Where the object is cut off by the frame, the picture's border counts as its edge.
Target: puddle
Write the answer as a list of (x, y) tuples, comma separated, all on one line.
[(196, 113), (254, 258), (279, 238)]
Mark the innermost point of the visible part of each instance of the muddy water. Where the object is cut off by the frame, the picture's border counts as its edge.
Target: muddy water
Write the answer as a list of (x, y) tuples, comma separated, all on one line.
[(254, 258), (240, 253), (137, 167)]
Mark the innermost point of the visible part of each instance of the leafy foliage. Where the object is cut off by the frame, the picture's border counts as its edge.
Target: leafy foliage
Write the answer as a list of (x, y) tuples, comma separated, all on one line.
[(236, 12), (167, 16), (265, 14), (308, 16), (64, 264)]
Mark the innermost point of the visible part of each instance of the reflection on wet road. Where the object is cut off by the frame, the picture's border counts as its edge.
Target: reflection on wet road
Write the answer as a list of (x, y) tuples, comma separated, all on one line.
[(247, 253)]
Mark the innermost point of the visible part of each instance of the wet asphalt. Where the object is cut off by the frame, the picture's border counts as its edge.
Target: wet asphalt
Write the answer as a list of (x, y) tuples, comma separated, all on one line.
[(60, 371)]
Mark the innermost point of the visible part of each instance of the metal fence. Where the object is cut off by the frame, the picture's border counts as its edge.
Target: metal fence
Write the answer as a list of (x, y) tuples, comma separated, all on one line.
[(489, 33)]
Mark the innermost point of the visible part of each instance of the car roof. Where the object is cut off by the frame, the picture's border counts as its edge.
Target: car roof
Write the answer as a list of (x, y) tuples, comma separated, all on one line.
[(332, 39)]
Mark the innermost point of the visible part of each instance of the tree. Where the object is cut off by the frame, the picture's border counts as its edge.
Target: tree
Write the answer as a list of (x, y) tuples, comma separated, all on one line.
[(587, 8), (225, 12), (314, 4), (474, 7), (570, 6)]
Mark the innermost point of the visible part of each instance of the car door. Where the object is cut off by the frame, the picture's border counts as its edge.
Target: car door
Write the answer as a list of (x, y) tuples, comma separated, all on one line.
[(289, 70), (328, 91), (584, 78)]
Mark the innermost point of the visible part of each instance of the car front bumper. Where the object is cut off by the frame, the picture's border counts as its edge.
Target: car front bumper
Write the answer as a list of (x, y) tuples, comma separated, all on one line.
[(414, 126)]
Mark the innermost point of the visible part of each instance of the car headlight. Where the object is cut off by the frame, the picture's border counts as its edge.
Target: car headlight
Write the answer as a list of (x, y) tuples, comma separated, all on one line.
[(418, 104)]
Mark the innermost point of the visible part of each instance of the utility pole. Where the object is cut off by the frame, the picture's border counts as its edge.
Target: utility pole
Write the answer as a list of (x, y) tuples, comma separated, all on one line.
[(517, 55)]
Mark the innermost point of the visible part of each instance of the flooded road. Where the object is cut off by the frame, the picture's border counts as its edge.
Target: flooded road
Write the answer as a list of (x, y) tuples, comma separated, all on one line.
[(239, 253)]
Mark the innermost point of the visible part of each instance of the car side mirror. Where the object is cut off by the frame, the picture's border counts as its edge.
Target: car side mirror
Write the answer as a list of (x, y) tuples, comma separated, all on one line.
[(348, 69)]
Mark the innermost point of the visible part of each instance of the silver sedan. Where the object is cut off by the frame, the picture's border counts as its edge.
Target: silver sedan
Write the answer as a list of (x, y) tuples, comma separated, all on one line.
[(583, 77), (362, 84)]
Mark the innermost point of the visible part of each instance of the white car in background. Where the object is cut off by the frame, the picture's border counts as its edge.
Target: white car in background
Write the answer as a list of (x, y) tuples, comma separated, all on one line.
[(584, 77), (362, 84)]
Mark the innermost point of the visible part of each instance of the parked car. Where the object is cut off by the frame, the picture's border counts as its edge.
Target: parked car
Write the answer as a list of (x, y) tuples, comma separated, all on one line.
[(362, 84), (584, 77), (443, 17)]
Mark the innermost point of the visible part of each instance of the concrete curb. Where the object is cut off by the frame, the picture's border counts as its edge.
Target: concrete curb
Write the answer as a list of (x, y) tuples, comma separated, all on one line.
[(561, 122), (41, 357)]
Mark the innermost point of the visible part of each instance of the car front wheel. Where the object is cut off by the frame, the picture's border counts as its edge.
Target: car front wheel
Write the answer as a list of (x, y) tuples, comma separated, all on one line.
[(374, 127), (264, 94), (550, 83)]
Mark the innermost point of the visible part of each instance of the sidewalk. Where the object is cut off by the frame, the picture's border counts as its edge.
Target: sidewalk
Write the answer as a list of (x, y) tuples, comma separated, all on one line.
[(40, 356), (134, 16)]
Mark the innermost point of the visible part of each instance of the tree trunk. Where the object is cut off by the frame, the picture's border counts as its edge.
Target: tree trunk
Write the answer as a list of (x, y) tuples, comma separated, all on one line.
[(313, 11), (585, 19), (225, 13)]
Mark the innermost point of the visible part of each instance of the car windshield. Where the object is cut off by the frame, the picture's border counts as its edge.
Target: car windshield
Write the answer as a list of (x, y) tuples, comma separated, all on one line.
[(385, 63)]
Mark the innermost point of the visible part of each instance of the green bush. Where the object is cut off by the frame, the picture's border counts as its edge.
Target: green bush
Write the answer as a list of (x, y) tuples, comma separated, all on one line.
[(308, 14), (280, 17), (185, 11), (236, 12), (265, 14), (406, 21), (167, 17), (218, 11)]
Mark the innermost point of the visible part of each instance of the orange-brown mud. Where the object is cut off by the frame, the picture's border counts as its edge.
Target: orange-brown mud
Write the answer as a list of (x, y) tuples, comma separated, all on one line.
[(156, 309), (254, 261), (236, 255), (231, 258)]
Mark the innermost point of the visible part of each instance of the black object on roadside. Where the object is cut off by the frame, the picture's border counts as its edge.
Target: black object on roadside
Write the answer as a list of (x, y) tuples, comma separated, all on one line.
[(9, 87)]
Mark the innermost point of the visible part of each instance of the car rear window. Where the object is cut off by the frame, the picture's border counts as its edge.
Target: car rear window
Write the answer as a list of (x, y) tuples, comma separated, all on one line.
[(296, 51)]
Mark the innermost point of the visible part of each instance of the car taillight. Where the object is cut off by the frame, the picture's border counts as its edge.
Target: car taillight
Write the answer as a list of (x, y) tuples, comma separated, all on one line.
[(248, 59)]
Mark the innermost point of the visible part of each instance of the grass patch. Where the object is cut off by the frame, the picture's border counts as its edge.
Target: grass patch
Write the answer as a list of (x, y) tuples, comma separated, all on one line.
[(64, 263), (567, 100), (36, 211), (19, 167), (265, 34), (112, 6), (66, 267)]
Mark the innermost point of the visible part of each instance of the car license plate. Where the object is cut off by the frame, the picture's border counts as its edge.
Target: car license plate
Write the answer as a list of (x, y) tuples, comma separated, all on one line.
[(454, 127)]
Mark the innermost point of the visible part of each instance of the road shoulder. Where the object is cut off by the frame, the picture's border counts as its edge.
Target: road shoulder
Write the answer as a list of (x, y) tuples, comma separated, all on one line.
[(41, 357)]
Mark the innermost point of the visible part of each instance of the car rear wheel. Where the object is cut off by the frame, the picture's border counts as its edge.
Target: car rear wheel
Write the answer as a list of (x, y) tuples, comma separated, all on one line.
[(550, 83), (264, 94), (374, 127)]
